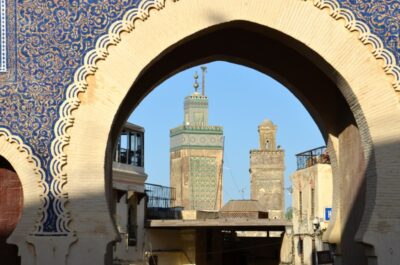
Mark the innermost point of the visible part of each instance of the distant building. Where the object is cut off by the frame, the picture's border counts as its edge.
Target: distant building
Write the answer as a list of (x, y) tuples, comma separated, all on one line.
[(267, 168), (186, 224), (129, 195), (247, 209), (196, 156), (311, 202)]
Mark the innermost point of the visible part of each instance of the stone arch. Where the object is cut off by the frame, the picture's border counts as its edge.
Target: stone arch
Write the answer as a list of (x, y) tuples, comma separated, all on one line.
[(130, 72), (27, 167)]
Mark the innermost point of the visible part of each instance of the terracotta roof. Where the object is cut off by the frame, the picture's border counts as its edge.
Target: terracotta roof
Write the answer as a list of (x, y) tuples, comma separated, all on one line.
[(242, 206)]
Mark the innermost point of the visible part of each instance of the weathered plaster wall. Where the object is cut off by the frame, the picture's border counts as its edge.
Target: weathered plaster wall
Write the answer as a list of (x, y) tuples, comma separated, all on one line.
[(267, 181), (175, 246), (319, 178)]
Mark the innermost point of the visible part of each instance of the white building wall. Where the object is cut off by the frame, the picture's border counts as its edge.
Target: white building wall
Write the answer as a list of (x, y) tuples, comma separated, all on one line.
[(319, 178), (130, 180), (172, 247), (122, 251)]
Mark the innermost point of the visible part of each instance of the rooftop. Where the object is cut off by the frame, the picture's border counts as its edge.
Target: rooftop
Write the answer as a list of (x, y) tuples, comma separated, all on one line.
[(242, 224), (311, 157), (133, 127), (242, 206)]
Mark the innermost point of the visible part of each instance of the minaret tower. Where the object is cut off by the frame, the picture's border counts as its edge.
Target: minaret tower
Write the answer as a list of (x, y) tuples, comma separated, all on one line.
[(196, 106), (267, 168), (196, 155)]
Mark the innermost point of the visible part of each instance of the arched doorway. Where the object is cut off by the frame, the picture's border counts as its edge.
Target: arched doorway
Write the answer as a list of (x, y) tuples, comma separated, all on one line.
[(339, 90), (272, 53), (11, 198)]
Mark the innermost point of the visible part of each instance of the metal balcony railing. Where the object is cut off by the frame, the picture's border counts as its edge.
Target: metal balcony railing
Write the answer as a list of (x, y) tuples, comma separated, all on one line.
[(159, 196), (311, 157), (160, 202)]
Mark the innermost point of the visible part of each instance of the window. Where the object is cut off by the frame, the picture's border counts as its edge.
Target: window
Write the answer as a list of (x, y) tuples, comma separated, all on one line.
[(312, 202), (267, 144), (300, 247), (132, 220), (136, 149), (130, 148), (123, 148), (300, 250), (300, 206)]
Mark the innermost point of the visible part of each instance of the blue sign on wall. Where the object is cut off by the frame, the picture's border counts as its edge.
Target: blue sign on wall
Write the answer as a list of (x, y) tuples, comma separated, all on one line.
[(328, 213)]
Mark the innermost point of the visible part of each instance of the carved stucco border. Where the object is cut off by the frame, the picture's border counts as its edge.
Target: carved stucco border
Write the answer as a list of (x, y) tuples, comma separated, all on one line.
[(72, 102), (37, 168), (127, 24), (365, 36)]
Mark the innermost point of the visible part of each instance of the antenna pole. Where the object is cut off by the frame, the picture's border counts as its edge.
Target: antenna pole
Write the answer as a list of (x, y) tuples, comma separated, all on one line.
[(204, 69)]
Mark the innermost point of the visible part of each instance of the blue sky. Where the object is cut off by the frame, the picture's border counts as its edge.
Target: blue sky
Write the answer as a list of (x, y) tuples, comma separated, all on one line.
[(240, 98)]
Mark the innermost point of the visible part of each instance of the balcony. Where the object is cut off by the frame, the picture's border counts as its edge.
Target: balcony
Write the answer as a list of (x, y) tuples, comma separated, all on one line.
[(311, 157), (160, 203), (130, 148), (128, 164)]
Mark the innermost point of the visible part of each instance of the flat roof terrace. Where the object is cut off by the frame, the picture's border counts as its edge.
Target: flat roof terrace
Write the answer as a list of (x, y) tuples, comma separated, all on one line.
[(240, 224)]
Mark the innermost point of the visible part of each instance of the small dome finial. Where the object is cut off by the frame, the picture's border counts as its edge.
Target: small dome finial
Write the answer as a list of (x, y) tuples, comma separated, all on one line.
[(196, 84)]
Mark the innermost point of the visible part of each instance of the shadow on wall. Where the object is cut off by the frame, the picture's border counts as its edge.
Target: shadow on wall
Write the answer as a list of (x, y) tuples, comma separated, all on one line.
[(349, 174), (9, 252)]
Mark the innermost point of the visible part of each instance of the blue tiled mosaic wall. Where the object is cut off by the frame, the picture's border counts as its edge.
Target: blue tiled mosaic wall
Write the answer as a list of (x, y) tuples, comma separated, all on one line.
[(383, 19), (7, 41), (52, 36), (46, 45)]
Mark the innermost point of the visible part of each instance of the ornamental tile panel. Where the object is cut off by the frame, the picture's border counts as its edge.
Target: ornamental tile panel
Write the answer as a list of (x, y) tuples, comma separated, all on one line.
[(53, 37), (383, 19), (183, 141), (203, 183)]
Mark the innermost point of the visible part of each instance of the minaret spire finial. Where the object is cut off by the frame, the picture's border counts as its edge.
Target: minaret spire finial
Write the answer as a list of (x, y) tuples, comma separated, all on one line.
[(204, 69), (196, 84)]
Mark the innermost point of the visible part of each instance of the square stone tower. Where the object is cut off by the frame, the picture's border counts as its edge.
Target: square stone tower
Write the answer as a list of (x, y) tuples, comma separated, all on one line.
[(267, 167), (196, 157)]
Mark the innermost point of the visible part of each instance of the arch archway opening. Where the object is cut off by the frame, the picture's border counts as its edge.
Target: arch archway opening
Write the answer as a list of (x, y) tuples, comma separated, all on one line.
[(308, 76), (314, 82), (11, 198)]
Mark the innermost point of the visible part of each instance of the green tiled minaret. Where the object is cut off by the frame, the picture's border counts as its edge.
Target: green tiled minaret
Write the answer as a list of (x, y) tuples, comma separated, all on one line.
[(196, 155)]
